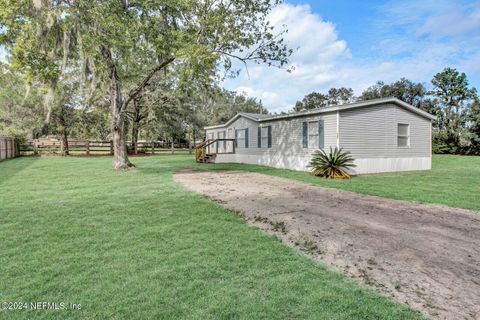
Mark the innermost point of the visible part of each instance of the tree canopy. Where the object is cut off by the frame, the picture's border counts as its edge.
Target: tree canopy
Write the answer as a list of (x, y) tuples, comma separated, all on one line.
[(119, 46), (112, 69), (450, 98), (334, 96)]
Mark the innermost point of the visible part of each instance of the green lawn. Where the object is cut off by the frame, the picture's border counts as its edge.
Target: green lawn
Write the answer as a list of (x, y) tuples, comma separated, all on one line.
[(453, 181), (135, 245)]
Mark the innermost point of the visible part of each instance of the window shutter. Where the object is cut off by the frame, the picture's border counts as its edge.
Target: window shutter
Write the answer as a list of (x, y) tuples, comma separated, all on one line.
[(321, 134), (236, 137), (259, 139), (246, 138), (269, 136), (305, 135)]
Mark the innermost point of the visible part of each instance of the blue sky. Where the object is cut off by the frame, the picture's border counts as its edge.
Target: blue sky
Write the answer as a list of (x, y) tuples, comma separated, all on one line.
[(356, 43)]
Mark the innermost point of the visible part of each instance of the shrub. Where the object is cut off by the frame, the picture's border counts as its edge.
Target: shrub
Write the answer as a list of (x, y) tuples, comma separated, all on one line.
[(332, 165), (198, 153)]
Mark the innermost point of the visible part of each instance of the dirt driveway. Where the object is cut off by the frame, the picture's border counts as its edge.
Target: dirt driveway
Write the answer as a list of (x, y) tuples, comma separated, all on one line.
[(425, 256)]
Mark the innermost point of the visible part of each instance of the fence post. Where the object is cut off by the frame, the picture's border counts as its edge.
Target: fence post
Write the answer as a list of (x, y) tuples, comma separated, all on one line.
[(35, 148), (11, 148), (7, 148), (111, 147), (16, 148), (87, 147), (14, 154), (1, 148)]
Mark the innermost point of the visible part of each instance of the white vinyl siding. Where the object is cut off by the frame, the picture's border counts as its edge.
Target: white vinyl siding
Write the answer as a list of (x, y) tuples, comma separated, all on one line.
[(403, 135), (372, 132), (369, 133)]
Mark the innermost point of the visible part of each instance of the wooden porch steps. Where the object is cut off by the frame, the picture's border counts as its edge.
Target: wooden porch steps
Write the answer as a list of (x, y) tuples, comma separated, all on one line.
[(208, 158), (207, 151)]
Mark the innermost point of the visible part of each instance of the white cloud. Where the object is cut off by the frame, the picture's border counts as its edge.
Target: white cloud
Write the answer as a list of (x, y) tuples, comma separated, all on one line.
[(268, 97), (456, 22), (317, 51), (413, 40)]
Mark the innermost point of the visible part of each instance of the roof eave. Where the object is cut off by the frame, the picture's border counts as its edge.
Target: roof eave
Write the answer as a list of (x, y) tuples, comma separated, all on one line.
[(238, 115), (353, 106), (331, 109)]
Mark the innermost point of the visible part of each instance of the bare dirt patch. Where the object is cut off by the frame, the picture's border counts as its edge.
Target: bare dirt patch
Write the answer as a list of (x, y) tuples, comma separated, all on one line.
[(425, 256)]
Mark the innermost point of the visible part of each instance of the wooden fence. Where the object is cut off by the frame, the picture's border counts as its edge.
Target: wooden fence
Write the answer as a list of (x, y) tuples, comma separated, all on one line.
[(8, 148), (90, 148)]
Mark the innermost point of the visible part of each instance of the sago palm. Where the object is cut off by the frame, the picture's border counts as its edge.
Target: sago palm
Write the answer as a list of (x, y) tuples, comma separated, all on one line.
[(332, 165)]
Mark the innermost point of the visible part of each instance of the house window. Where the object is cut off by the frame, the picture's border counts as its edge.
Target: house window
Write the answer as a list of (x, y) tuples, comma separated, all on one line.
[(210, 147), (221, 145), (403, 135), (313, 134), (264, 137), (241, 138)]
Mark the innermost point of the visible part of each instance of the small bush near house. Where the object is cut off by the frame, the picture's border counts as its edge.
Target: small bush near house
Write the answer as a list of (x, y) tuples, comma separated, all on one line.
[(332, 165), (198, 153)]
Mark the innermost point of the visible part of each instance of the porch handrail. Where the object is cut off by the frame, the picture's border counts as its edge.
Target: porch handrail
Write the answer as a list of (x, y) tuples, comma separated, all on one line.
[(201, 148)]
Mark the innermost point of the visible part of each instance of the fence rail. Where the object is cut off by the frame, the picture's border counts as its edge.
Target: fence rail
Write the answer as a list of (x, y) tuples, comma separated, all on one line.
[(85, 147), (8, 148)]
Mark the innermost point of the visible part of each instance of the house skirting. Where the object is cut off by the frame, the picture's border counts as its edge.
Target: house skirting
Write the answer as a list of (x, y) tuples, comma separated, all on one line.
[(364, 166)]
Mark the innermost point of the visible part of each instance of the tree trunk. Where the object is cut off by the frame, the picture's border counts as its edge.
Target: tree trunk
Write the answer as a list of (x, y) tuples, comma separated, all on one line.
[(65, 151), (135, 137), (173, 147), (135, 125), (118, 106), (194, 138), (120, 157)]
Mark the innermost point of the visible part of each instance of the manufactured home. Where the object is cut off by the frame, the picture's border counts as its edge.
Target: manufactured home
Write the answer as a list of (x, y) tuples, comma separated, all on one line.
[(382, 135)]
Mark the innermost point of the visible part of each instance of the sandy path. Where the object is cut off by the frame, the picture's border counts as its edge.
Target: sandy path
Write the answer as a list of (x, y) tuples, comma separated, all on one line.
[(423, 255)]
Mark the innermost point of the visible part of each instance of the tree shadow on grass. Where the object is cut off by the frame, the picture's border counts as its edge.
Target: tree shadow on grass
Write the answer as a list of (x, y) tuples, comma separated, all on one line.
[(10, 168)]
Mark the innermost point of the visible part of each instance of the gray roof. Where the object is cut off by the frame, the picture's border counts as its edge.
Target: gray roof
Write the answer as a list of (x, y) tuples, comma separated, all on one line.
[(368, 103), (256, 116)]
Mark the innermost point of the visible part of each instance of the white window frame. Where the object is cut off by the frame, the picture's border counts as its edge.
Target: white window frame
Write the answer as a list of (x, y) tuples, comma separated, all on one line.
[(312, 134), (264, 136), (241, 142), (407, 136), (223, 144)]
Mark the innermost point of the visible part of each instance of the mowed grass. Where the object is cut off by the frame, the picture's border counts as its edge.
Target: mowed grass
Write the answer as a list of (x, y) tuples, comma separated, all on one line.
[(135, 245), (453, 181)]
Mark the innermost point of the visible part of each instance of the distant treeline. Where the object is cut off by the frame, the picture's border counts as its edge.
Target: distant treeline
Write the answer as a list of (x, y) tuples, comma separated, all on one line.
[(449, 97)]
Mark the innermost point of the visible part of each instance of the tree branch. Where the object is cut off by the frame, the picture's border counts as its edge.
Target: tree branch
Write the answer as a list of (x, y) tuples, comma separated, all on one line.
[(146, 81)]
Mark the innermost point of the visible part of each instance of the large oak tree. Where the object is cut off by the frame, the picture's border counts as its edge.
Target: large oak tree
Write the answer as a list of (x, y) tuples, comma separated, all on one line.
[(124, 44)]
